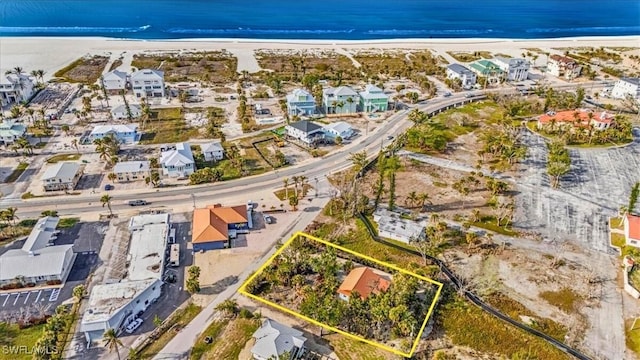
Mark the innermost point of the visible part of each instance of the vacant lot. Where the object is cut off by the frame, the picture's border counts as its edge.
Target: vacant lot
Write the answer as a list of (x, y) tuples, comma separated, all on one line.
[(469, 57), (217, 67), (293, 65), (597, 185), (167, 126), (86, 70)]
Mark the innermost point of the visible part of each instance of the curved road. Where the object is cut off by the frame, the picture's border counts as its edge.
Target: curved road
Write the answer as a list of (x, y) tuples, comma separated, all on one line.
[(315, 169)]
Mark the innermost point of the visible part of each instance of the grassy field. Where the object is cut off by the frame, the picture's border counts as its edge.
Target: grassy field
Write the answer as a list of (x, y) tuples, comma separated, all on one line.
[(236, 334), (11, 335), (180, 319), (213, 330), (489, 223), (66, 223), (618, 240), (167, 126), (469, 57), (632, 336), (15, 174), (565, 299), (12, 232), (86, 70), (468, 325), (63, 157), (350, 349), (616, 223), (289, 66)]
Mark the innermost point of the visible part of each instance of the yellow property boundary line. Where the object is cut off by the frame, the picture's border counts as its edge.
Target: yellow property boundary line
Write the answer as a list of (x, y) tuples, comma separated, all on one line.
[(244, 292)]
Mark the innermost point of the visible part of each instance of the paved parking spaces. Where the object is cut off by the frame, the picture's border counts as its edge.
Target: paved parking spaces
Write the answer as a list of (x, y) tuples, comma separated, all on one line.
[(20, 299)]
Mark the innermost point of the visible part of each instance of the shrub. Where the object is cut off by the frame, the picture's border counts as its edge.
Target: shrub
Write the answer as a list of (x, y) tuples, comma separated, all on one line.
[(245, 314)]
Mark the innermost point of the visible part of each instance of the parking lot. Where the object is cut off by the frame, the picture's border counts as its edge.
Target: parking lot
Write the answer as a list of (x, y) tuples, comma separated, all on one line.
[(87, 241)]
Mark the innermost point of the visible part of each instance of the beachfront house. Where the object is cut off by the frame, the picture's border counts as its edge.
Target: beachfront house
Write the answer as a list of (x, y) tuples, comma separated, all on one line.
[(119, 112), (300, 102), (626, 87), (393, 225), (515, 69), (117, 303), (467, 77), (178, 162), (124, 133), (340, 100), (273, 340), (10, 131), (148, 83), (488, 70), (214, 226), (579, 118), (115, 82), (132, 170), (39, 260), (305, 131), (373, 99), (15, 88), (212, 151), (340, 128), (364, 281), (62, 176), (631, 224), (562, 66)]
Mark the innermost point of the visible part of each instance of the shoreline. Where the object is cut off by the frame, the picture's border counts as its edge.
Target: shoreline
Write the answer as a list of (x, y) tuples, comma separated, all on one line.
[(53, 53)]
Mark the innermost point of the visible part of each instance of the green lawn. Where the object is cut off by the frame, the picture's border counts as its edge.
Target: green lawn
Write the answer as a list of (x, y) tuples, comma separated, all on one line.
[(236, 335), (632, 336), (66, 223), (16, 172), (63, 157), (489, 223), (181, 318), (167, 126), (350, 349), (616, 223), (618, 240), (11, 335)]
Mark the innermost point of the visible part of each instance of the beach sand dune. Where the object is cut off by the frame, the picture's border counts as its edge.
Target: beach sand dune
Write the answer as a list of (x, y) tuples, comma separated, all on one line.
[(51, 54)]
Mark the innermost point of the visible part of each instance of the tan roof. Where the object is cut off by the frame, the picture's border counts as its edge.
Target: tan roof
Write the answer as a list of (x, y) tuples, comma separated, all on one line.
[(364, 281), (212, 223)]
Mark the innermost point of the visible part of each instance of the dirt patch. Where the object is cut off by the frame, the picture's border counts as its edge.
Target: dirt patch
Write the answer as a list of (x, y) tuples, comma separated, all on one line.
[(85, 70)]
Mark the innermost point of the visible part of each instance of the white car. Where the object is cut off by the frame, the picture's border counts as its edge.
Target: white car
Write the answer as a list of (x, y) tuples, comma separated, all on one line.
[(135, 324)]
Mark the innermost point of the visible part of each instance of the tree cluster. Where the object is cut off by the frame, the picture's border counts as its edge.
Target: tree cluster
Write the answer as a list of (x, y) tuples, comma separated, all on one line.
[(558, 162), (193, 282), (108, 148)]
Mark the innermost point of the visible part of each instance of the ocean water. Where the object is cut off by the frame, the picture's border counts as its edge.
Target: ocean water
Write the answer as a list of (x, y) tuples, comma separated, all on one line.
[(327, 19)]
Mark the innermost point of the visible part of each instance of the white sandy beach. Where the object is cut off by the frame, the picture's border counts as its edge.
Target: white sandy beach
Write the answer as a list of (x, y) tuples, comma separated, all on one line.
[(50, 54)]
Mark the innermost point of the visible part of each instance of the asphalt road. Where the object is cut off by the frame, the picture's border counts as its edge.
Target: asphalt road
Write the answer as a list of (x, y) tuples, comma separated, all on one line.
[(318, 169)]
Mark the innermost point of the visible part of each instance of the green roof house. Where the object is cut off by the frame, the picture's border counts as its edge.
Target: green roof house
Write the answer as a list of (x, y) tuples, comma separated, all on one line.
[(10, 131), (486, 68), (373, 99)]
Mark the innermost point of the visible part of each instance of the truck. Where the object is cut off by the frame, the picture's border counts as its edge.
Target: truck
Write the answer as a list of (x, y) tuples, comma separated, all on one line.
[(174, 255)]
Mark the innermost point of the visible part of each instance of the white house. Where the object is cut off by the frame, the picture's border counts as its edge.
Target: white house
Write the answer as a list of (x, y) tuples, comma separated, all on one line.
[(274, 339), (15, 88), (212, 151), (392, 225), (38, 261), (114, 82), (120, 111), (115, 305), (562, 66), (631, 224), (132, 170), (305, 131), (466, 76), (148, 83), (10, 131), (124, 133), (340, 100), (341, 128), (515, 69), (626, 87), (301, 102), (178, 162), (62, 176), (373, 99)]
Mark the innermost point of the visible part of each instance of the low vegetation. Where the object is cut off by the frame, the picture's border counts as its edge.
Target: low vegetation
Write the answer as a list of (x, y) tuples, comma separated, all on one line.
[(294, 67), (15, 174), (469, 57), (212, 332), (63, 157), (86, 70), (13, 335), (235, 335), (350, 349), (213, 67), (167, 126), (564, 299), (632, 335), (170, 327)]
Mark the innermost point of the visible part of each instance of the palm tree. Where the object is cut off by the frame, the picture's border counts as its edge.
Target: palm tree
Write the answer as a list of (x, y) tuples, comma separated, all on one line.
[(106, 200), (285, 183), (423, 198), (411, 199), (296, 180), (293, 201), (112, 342), (74, 143), (112, 177)]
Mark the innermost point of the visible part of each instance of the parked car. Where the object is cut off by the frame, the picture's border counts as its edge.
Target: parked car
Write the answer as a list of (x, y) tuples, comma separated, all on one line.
[(108, 187), (267, 219), (135, 324), (447, 94), (137, 202)]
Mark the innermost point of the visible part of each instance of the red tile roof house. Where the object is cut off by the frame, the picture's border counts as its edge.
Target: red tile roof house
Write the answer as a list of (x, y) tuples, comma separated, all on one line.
[(576, 118), (363, 281), (214, 226), (632, 229)]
